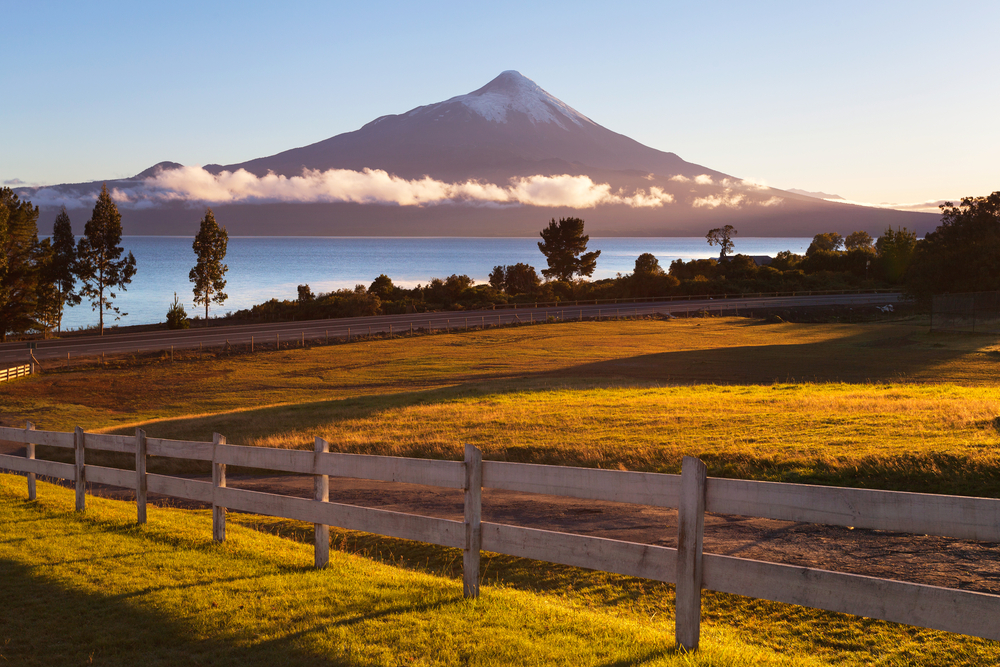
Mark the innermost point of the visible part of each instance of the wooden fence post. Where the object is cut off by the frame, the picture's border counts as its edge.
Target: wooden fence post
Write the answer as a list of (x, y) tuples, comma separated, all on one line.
[(473, 518), (81, 470), (30, 454), (690, 534), (140, 476), (219, 482), (321, 489)]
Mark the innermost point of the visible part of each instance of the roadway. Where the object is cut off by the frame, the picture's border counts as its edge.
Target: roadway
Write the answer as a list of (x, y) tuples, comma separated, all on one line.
[(267, 335)]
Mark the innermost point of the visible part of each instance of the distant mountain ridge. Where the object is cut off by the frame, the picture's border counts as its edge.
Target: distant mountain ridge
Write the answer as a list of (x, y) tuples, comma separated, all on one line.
[(499, 161)]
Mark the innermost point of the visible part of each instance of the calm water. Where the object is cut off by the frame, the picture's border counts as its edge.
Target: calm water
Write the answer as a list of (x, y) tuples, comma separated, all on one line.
[(264, 267)]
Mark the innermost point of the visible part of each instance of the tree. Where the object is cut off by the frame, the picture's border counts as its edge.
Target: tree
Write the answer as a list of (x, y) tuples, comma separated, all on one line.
[(208, 273), (858, 241), (61, 268), (176, 315), (647, 264), (963, 253), (19, 270), (100, 264), (305, 294), (722, 237), (564, 245), (829, 242), (515, 279), (382, 287), (895, 252)]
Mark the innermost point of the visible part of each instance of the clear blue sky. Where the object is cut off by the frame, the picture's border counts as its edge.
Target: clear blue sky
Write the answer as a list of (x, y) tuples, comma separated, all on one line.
[(875, 101)]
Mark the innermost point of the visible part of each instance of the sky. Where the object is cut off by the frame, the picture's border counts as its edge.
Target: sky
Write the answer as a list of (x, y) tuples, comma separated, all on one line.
[(873, 101)]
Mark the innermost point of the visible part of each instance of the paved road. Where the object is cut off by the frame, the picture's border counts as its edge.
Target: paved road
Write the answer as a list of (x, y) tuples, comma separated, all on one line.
[(293, 333)]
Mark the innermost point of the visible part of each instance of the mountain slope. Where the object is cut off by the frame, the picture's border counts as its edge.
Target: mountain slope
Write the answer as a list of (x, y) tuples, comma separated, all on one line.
[(498, 161)]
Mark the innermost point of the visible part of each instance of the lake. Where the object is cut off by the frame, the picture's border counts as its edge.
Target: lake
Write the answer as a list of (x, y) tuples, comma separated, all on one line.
[(261, 268)]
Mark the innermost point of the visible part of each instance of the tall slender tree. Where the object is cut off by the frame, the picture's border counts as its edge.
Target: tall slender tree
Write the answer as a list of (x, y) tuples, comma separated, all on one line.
[(209, 273), (61, 267), (100, 264), (18, 263)]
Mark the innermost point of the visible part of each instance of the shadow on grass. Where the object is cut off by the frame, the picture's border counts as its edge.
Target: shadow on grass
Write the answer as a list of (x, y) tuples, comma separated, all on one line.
[(46, 624)]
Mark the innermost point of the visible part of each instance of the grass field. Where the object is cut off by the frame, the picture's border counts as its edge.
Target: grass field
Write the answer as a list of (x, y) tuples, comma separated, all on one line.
[(882, 405), (94, 588)]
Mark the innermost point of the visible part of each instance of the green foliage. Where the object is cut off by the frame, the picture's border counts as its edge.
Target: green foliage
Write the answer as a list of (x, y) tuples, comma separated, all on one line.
[(647, 264), (859, 241), (515, 279), (963, 253), (19, 274), (61, 268), (828, 242), (176, 315), (305, 294), (208, 273), (722, 237), (895, 252), (100, 264), (382, 287), (565, 248)]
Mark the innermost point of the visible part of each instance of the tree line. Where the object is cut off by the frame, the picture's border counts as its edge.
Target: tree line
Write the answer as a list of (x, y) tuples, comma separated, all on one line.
[(39, 279)]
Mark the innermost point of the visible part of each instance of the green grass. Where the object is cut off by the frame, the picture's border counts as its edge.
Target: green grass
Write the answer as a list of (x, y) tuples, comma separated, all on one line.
[(92, 587), (95, 588)]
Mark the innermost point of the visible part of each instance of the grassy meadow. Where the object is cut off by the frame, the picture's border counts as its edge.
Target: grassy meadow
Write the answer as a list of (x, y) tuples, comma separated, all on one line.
[(884, 405)]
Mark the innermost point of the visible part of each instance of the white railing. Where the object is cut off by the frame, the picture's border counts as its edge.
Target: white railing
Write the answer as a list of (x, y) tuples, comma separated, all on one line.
[(692, 492), (15, 372)]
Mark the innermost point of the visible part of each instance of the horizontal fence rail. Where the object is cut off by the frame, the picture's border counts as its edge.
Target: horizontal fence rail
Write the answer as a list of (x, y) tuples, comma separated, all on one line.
[(692, 492), (15, 372)]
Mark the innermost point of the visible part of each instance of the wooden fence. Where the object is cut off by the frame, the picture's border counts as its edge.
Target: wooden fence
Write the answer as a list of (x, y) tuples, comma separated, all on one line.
[(692, 492), (16, 372)]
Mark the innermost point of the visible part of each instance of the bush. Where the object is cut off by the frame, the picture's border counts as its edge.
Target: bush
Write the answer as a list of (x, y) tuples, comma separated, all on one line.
[(176, 315)]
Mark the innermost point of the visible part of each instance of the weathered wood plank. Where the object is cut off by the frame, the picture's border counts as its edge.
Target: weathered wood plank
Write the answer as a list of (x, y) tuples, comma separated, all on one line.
[(690, 538), (218, 483), (179, 487), (947, 609), (141, 485), (321, 494), (30, 454), (81, 469), (287, 460), (48, 438), (111, 476), (450, 474), (473, 521), (39, 467), (179, 449), (918, 513), (596, 553), (382, 522), (641, 488), (123, 444)]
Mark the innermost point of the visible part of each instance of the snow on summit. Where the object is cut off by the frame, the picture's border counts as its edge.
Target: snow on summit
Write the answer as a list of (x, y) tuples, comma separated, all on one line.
[(513, 92)]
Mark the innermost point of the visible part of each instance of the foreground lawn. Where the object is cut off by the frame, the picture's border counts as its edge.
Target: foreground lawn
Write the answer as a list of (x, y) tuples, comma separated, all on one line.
[(94, 588)]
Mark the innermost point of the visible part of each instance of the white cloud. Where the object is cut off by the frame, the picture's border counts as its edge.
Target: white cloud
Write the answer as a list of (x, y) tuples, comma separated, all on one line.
[(680, 178), (370, 186), (703, 179)]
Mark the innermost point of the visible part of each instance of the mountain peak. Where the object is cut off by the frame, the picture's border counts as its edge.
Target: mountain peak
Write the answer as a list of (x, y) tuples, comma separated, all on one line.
[(511, 91)]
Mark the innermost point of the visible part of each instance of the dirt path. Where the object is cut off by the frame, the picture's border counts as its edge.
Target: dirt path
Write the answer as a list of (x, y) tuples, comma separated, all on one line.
[(923, 559)]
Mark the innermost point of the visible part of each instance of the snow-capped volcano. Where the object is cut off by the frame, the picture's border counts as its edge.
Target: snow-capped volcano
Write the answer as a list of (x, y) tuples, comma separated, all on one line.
[(512, 92), (499, 161)]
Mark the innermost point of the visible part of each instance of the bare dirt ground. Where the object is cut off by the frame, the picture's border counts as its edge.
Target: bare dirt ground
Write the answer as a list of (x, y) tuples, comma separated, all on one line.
[(936, 561)]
